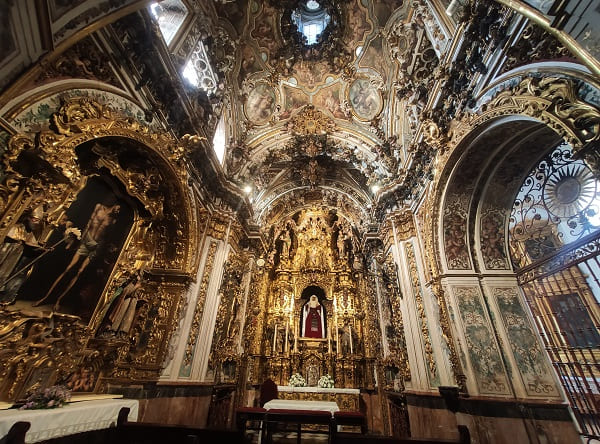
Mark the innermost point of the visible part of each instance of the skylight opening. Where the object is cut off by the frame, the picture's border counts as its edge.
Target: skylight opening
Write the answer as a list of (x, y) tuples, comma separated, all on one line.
[(312, 5), (170, 15), (311, 20), (312, 31), (219, 139)]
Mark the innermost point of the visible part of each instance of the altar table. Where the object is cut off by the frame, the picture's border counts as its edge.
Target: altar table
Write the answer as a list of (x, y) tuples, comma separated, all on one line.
[(345, 398), (76, 417), (291, 404)]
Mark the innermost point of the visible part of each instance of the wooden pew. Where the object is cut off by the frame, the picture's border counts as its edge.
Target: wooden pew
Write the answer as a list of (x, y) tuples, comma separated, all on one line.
[(354, 438), (16, 434), (350, 418), (149, 433)]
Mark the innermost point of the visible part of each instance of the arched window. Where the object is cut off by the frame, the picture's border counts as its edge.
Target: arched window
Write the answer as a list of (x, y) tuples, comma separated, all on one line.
[(198, 71), (170, 15)]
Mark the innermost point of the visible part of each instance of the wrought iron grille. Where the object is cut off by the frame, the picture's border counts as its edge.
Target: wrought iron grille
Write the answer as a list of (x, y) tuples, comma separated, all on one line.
[(555, 244)]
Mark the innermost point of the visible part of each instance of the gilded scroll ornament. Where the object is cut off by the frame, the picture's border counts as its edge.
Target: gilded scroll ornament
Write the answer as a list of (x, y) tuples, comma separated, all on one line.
[(198, 311), (551, 100), (416, 288), (310, 121)]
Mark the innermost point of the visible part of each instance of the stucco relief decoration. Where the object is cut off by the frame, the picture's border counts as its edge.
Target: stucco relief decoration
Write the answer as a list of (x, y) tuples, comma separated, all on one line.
[(310, 121), (482, 350), (524, 344), (260, 104), (552, 100), (455, 234)]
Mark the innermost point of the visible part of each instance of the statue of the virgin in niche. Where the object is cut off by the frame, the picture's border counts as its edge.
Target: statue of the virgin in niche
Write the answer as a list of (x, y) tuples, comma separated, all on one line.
[(313, 315)]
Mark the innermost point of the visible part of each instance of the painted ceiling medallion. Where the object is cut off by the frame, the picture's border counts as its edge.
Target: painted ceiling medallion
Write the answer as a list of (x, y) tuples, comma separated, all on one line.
[(365, 99), (260, 104)]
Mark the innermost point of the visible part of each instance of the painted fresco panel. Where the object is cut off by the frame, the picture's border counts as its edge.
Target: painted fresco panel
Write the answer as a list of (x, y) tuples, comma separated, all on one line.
[(482, 349), (524, 344), (260, 104), (365, 99), (455, 233)]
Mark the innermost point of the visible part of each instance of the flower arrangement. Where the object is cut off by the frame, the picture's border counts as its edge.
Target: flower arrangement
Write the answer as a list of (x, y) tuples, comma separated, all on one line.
[(325, 381), (297, 380), (49, 398)]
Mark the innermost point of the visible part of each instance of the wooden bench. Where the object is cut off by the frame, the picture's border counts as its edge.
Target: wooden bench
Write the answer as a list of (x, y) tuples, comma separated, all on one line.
[(298, 418), (354, 438), (245, 414), (16, 434), (350, 418), (149, 433)]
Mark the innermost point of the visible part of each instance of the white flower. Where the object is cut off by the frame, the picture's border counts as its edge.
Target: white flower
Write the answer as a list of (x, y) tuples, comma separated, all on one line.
[(297, 380), (326, 381)]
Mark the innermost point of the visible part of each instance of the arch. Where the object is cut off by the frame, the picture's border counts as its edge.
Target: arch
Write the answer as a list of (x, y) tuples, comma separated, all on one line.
[(550, 100), (490, 154), (482, 182), (547, 107), (83, 120)]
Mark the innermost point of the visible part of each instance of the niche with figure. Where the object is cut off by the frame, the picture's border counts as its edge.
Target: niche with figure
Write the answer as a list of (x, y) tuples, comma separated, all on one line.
[(313, 315)]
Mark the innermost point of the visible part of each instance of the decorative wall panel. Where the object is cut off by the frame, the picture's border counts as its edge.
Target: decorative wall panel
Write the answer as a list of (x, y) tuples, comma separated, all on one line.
[(482, 350), (524, 343)]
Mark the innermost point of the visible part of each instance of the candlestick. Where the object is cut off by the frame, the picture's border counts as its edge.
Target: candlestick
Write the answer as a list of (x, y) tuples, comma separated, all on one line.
[(287, 325), (337, 339), (296, 338), (350, 331)]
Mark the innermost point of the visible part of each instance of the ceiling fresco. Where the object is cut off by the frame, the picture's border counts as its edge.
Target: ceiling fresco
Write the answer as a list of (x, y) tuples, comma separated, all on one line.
[(312, 120)]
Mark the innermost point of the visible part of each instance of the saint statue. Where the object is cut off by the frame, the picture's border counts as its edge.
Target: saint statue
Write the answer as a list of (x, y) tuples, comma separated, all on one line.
[(313, 315)]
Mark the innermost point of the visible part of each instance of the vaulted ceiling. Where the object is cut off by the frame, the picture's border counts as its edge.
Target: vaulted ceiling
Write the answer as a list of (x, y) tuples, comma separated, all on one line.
[(350, 122), (317, 122)]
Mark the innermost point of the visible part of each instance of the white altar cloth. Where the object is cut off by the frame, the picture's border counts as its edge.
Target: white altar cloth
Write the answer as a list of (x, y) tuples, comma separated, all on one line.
[(293, 404), (73, 418), (289, 388)]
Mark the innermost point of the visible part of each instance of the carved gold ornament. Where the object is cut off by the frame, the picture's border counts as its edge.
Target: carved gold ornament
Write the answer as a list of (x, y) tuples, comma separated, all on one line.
[(310, 121), (43, 178)]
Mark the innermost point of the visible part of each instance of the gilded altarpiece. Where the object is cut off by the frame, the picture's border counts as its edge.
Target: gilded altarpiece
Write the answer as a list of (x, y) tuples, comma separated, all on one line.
[(315, 309), (96, 208)]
